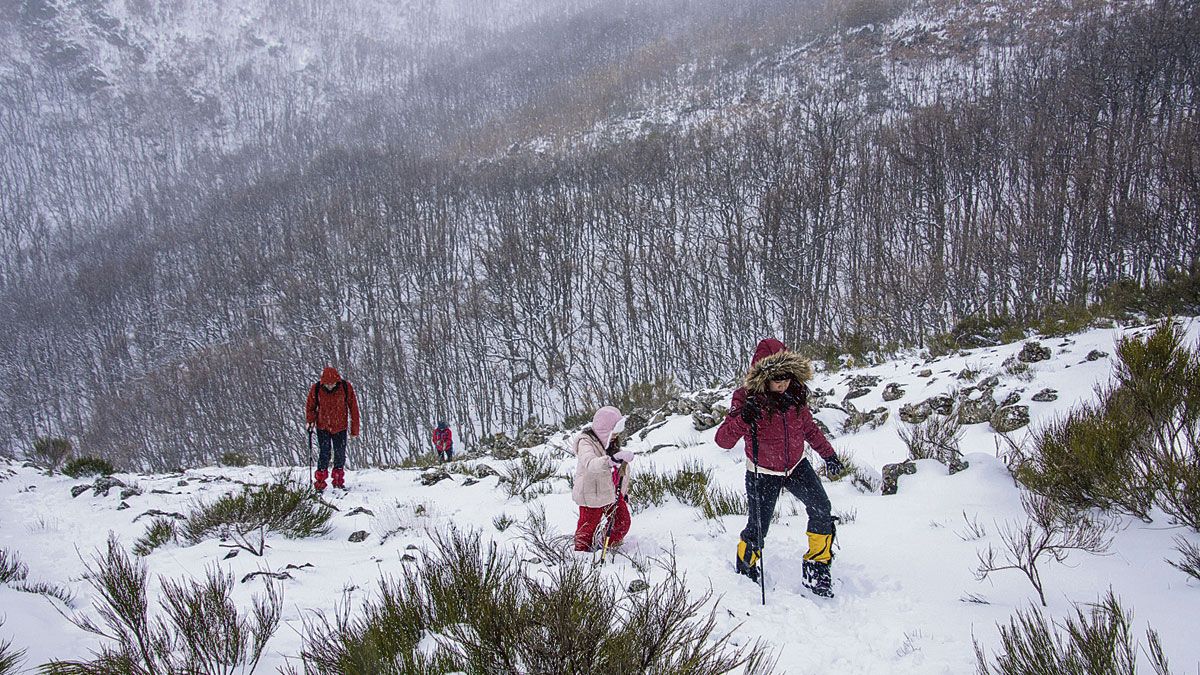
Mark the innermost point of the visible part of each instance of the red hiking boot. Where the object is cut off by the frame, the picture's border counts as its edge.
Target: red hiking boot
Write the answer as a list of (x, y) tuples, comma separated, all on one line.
[(339, 478), (319, 479)]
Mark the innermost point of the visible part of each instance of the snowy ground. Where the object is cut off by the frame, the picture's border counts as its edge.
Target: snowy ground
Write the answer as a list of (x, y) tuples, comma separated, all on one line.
[(902, 574)]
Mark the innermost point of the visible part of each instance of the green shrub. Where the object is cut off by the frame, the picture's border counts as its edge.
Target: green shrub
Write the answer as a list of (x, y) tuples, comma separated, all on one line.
[(525, 476), (1098, 640), (976, 331), (488, 612), (235, 459), (15, 574), (199, 629), (1064, 319), (51, 451), (691, 484), (158, 532), (81, 467), (643, 395), (284, 506)]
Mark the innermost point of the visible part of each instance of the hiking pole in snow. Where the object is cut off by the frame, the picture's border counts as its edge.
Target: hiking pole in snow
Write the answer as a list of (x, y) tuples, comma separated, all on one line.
[(762, 569), (310, 453), (613, 515)]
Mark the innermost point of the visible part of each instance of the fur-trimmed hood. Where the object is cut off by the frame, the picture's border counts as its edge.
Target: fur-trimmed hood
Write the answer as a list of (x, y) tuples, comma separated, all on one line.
[(771, 359)]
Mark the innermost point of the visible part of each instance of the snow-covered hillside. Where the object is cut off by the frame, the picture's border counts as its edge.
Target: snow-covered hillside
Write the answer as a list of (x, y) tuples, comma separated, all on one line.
[(906, 597)]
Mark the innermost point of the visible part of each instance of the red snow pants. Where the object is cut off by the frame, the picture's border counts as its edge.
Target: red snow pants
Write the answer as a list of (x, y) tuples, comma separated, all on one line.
[(589, 519)]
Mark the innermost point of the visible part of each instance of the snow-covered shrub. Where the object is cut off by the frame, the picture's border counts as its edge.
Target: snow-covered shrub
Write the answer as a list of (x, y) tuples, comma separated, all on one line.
[(936, 438), (476, 607), (1190, 563), (235, 459), (51, 451), (10, 659), (525, 476), (81, 467), (158, 532), (1138, 445), (285, 506), (1051, 531), (15, 575), (199, 629), (1098, 639)]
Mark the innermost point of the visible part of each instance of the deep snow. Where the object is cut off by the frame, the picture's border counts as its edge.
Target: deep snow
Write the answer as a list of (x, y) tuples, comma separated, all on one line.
[(903, 572)]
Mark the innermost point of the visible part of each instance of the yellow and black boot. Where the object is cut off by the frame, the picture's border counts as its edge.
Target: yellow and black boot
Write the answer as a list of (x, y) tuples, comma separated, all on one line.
[(816, 564), (747, 560)]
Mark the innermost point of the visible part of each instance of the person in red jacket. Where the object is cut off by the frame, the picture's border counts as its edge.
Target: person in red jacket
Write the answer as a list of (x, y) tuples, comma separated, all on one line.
[(770, 411), (330, 402), (443, 442)]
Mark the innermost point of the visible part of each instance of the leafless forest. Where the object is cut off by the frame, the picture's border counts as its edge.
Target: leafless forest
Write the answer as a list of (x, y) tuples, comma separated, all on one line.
[(448, 235)]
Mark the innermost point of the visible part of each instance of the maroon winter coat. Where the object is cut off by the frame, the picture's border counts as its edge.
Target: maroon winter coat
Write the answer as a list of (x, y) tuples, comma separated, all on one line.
[(786, 421), (329, 409), (443, 440)]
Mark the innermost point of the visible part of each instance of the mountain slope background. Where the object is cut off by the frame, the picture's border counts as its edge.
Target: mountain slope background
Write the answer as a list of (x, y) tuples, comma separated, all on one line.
[(496, 218), (907, 597)]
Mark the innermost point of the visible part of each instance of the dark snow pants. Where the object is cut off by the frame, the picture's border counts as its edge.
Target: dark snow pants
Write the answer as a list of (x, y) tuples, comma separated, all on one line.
[(327, 442), (763, 491)]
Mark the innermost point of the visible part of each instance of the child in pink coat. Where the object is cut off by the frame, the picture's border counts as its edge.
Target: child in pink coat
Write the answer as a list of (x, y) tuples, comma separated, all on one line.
[(600, 484)]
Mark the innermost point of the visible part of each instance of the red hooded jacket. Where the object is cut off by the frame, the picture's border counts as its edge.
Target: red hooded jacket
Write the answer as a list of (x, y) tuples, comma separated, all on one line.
[(329, 409), (781, 433)]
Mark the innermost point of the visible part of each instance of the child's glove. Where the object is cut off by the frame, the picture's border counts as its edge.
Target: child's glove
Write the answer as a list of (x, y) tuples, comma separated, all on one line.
[(624, 456)]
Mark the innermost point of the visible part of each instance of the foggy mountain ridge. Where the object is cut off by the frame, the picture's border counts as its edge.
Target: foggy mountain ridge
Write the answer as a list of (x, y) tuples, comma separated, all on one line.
[(497, 227)]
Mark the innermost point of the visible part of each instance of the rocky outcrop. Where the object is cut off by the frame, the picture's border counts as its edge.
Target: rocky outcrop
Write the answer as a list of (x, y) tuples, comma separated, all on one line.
[(1010, 418), (892, 473), (893, 391), (1046, 395), (915, 413), (1033, 352)]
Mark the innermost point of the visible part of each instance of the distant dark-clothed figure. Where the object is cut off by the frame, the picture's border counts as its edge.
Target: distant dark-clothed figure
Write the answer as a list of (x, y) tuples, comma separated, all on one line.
[(770, 411), (331, 403), (443, 442)]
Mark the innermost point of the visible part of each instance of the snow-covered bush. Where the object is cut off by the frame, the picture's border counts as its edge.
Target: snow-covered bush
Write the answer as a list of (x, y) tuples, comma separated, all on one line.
[(475, 607), (285, 506), (1096, 640), (158, 532), (10, 659), (15, 575), (936, 438), (51, 451), (525, 476), (199, 629), (1138, 445), (81, 467)]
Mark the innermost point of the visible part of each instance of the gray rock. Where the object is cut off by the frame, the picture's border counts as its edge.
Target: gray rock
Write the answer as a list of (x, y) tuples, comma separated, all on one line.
[(182, 483), (122, 506), (857, 392), (105, 483), (968, 374), (1033, 352), (915, 413), (637, 586), (990, 382), (1096, 355), (79, 489), (892, 473), (359, 536), (958, 464), (155, 513), (360, 511), (858, 420), (484, 470), (408, 557), (131, 491), (893, 391), (434, 476), (1010, 418), (636, 421), (703, 421), (1046, 395), (470, 481), (232, 554), (976, 411), (925, 373), (1013, 398), (941, 404), (412, 547), (864, 381)]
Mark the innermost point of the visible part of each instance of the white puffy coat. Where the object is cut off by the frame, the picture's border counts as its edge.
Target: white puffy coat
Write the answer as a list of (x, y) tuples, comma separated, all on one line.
[(593, 473)]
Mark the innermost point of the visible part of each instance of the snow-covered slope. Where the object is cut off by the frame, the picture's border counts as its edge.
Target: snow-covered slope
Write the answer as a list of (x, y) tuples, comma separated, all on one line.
[(907, 600)]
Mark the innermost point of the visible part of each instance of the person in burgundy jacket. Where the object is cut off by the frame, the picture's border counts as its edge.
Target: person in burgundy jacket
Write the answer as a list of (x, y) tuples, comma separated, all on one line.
[(330, 402), (772, 408)]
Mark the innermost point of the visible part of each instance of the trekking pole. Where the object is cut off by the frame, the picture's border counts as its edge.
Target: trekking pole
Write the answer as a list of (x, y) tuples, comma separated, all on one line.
[(762, 568), (612, 516), (310, 455)]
